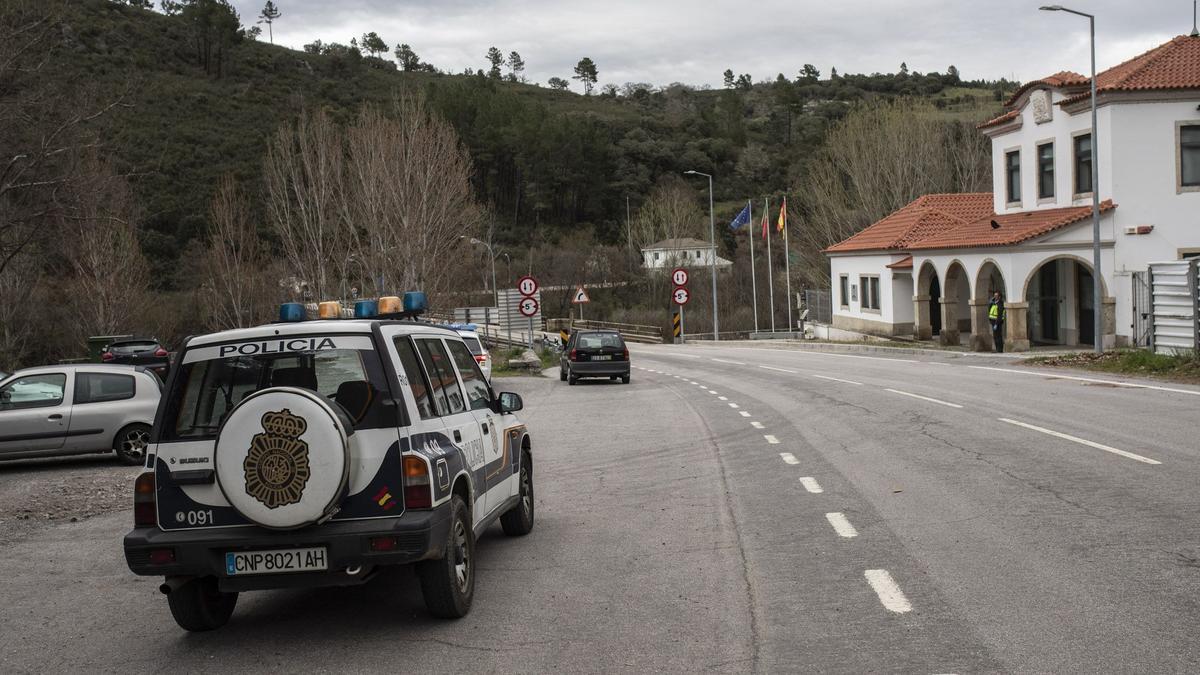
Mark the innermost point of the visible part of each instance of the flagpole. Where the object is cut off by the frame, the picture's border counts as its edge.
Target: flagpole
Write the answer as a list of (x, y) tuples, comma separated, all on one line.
[(753, 280), (787, 261), (770, 275)]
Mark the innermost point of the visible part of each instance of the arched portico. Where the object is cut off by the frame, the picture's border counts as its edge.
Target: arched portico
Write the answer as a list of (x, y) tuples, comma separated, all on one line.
[(927, 312), (956, 295), (1059, 295), (988, 280)]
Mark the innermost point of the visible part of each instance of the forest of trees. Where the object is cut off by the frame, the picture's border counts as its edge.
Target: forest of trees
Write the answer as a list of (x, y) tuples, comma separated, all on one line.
[(181, 119)]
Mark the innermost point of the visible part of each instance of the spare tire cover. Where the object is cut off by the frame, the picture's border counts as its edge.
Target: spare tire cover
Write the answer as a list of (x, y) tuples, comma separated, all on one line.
[(282, 458)]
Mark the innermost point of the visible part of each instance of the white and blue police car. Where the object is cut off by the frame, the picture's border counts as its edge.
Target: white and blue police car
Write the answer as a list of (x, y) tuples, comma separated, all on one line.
[(314, 453)]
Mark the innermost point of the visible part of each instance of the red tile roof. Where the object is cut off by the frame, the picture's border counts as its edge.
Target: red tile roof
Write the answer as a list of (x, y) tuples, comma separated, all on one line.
[(1061, 79), (904, 263), (917, 220), (1171, 65), (958, 221), (996, 121)]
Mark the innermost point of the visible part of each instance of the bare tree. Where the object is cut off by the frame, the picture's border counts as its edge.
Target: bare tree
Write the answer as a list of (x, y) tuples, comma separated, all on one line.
[(304, 175), (107, 287), (238, 270), (671, 212), (21, 287)]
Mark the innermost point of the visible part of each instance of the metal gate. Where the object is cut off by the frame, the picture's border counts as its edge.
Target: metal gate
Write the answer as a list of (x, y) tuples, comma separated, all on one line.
[(1175, 294), (819, 306), (1143, 310)]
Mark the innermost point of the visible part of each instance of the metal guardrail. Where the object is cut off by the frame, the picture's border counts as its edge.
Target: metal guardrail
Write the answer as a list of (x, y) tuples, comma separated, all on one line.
[(632, 332)]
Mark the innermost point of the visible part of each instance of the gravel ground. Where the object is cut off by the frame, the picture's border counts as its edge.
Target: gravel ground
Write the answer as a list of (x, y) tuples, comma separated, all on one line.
[(36, 494)]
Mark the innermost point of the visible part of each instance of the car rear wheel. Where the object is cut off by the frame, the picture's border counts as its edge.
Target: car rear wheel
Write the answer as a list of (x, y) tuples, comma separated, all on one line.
[(130, 444), (624, 379), (519, 519), (571, 378), (448, 584), (199, 605)]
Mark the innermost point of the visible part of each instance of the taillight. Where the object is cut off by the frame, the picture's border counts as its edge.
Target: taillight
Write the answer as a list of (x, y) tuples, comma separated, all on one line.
[(626, 353), (160, 352), (107, 356), (416, 484), (144, 511), (481, 358), (573, 355)]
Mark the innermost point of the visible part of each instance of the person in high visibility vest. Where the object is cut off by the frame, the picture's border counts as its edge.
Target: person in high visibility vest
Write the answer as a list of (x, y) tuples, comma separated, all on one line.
[(996, 318)]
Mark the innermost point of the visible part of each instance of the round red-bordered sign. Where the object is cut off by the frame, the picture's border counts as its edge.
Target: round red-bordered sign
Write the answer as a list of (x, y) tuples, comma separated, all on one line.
[(528, 307), (680, 296), (527, 285), (679, 276)]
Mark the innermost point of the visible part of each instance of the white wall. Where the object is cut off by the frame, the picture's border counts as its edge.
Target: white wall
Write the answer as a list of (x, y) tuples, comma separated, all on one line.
[(895, 289), (692, 257)]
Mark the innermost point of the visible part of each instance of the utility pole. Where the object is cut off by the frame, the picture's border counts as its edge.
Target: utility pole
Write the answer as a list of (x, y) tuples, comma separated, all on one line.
[(712, 235)]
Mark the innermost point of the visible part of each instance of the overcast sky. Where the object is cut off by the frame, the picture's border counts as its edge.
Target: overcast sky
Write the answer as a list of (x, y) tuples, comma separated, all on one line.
[(664, 41)]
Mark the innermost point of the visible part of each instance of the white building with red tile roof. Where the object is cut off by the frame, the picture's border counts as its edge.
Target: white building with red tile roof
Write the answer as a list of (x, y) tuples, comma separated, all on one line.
[(929, 268)]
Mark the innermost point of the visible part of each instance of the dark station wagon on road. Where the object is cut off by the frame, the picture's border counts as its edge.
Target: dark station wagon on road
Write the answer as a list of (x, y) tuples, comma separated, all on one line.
[(594, 353)]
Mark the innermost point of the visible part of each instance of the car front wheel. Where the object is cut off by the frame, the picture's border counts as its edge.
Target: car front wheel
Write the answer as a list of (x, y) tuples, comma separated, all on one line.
[(518, 521)]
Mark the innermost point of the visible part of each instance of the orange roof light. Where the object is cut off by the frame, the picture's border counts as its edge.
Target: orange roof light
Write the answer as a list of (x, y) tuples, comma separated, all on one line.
[(331, 309), (390, 304)]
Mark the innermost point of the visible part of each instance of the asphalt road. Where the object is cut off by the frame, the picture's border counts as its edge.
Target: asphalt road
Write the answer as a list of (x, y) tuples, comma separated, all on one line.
[(737, 509)]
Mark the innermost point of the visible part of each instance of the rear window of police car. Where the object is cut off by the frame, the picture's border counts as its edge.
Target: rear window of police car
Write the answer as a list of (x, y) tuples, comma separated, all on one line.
[(212, 380)]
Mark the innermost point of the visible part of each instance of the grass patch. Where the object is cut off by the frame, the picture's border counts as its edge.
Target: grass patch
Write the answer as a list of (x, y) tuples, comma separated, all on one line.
[(1183, 367), (501, 357)]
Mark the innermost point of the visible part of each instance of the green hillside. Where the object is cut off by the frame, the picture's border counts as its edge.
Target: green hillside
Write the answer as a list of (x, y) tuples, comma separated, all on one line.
[(552, 160)]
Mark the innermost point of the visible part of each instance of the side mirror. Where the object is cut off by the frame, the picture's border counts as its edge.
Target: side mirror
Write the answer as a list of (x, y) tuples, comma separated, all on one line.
[(5, 396), (510, 402)]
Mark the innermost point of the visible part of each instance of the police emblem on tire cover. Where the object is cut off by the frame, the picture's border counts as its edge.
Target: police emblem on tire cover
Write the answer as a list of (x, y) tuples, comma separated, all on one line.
[(277, 463)]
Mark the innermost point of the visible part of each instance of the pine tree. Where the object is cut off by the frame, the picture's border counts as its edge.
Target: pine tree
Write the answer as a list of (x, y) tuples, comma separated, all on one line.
[(269, 13), (585, 72), (728, 78), (407, 59), (495, 58), (516, 67)]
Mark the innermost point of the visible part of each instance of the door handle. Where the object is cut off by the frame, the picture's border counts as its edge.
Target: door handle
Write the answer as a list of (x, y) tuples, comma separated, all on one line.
[(55, 416), (457, 436), (486, 430)]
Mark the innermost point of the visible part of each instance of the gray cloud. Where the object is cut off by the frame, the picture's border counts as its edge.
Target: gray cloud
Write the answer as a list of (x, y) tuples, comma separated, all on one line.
[(694, 41)]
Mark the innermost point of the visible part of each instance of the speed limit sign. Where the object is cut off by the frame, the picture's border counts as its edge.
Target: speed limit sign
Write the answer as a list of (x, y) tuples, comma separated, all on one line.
[(679, 276), (680, 296), (527, 285), (528, 307)]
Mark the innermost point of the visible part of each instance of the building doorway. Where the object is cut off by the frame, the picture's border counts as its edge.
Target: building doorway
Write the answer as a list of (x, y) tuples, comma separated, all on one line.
[(1062, 310), (935, 306)]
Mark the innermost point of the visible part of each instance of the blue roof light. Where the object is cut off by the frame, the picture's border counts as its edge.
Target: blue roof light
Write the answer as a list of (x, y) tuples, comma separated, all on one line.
[(292, 311), (366, 309), (414, 301)]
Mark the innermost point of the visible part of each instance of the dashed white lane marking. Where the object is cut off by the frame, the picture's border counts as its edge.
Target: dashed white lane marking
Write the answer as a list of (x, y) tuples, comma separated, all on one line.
[(779, 370), (924, 398), (788, 458), (722, 398), (1087, 379), (712, 391), (811, 485), (688, 356), (693, 382), (889, 593), (736, 363), (771, 439), (837, 379), (756, 424), (734, 405), (743, 413), (937, 363), (702, 387), (841, 525), (1083, 441)]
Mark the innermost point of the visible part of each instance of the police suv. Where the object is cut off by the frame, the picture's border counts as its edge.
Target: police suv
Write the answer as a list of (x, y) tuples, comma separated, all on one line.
[(313, 453)]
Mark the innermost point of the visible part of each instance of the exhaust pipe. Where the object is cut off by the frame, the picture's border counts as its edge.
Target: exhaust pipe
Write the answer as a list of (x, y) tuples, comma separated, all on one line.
[(172, 583), (353, 570)]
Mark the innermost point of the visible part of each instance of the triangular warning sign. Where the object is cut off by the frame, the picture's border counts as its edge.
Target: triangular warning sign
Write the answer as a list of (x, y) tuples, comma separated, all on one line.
[(580, 296)]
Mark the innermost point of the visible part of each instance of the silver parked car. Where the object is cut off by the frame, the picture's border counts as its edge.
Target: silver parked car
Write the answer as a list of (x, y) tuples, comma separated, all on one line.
[(76, 409)]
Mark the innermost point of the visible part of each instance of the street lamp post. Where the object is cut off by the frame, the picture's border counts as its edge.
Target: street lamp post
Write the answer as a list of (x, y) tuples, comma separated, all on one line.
[(1097, 279), (492, 256), (712, 236)]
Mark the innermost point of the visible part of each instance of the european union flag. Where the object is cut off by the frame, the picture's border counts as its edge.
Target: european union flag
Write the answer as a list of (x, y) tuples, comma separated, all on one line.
[(743, 218)]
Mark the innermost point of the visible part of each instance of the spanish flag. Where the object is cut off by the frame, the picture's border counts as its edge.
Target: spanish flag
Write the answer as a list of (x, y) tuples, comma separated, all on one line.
[(781, 226)]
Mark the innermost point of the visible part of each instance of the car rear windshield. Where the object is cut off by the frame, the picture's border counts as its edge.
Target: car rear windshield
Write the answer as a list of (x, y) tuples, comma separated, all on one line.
[(473, 345), (207, 389), (600, 340), (133, 347)]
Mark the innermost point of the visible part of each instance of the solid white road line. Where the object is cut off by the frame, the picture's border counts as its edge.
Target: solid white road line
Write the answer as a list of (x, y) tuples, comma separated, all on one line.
[(799, 352), (779, 370), (1083, 441), (1131, 385), (811, 485), (734, 405), (771, 439), (688, 356), (722, 398), (743, 413), (788, 458), (736, 363), (841, 525), (889, 593), (837, 379), (924, 398)]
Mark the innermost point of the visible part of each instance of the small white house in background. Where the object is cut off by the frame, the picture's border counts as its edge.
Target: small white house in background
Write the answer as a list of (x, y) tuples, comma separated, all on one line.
[(929, 268), (685, 252)]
